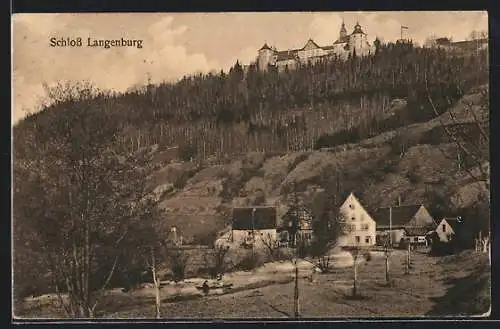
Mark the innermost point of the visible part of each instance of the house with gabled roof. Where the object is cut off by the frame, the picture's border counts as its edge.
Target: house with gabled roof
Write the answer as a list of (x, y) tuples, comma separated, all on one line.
[(362, 227), (404, 217), (296, 225), (252, 225), (403, 220), (449, 227)]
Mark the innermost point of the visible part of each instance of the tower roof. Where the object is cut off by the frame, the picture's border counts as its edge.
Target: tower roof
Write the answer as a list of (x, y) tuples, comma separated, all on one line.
[(342, 27), (357, 29), (265, 47)]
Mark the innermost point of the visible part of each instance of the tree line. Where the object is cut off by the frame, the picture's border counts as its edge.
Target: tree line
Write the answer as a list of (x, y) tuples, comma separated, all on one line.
[(248, 110)]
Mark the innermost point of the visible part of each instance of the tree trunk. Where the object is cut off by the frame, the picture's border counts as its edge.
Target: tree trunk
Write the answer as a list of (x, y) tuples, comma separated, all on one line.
[(355, 277), (387, 269), (296, 291), (156, 283)]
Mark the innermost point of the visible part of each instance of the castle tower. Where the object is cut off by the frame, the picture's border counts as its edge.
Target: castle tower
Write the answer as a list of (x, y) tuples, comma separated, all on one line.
[(266, 55), (358, 41), (343, 31)]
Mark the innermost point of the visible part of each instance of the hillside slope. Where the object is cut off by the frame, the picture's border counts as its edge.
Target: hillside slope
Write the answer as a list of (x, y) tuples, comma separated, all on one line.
[(199, 202)]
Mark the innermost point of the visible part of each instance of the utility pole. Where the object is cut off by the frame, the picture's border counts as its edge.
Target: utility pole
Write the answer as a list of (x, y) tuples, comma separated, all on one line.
[(295, 211), (296, 290), (407, 269), (253, 233), (388, 249)]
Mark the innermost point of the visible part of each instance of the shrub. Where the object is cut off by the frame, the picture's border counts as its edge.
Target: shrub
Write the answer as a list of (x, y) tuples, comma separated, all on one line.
[(249, 262), (220, 264), (323, 263), (178, 263), (206, 238), (412, 176), (186, 152)]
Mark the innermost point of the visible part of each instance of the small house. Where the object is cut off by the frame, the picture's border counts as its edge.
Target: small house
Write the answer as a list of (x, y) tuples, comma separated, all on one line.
[(404, 220), (254, 225), (448, 228), (296, 226), (362, 227)]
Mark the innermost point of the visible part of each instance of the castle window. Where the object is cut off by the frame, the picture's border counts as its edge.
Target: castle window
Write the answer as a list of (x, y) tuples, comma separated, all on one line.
[(353, 218)]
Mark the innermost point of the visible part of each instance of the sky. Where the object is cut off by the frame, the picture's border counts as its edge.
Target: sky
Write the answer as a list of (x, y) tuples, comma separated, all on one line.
[(176, 44)]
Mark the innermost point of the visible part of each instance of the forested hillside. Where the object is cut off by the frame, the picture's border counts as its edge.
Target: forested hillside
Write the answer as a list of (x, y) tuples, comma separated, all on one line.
[(234, 113)]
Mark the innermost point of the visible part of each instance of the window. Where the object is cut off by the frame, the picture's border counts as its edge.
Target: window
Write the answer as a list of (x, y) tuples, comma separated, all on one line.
[(358, 239), (353, 218), (351, 206), (444, 227), (365, 227), (368, 239)]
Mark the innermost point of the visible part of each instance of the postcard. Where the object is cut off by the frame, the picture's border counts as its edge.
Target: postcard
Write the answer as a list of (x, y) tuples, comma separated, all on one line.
[(250, 165)]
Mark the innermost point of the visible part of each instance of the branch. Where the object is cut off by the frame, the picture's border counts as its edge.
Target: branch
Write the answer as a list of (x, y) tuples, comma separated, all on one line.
[(108, 279), (476, 120), (100, 291), (450, 135)]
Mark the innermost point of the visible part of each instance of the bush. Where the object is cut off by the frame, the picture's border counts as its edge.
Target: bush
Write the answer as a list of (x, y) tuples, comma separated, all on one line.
[(206, 238), (178, 263), (249, 262), (220, 264), (186, 152), (323, 263), (413, 177), (338, 138)]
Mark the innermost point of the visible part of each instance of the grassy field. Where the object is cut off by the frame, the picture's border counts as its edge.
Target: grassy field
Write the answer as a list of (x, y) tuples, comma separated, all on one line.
[(457, 285)]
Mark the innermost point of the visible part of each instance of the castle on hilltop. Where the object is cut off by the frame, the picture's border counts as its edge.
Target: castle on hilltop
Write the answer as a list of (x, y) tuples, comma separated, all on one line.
[(347, 44)]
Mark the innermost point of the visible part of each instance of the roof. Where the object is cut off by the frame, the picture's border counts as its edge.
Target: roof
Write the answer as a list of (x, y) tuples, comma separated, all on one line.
[(443, 41), (308, 42), (470, 44), (342, 40), (401, 215), (416, 230), (286, 55), (328, 47), (265, 46), (357, 29), (263, 218), (454, 222)]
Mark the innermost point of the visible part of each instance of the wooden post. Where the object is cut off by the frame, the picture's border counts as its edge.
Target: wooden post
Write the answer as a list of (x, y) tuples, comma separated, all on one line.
[(296, 291), (407, 268)]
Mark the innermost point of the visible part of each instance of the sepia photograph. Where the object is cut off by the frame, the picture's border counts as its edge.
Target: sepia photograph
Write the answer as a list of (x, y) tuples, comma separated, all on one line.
[(250, 165)]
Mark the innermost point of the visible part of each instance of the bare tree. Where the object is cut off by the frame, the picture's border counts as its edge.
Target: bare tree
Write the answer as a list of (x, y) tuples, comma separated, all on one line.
[(272, 246), (89, 197), (358, 253), (327, 233), (220, 261), (472, 144), (472, 139)]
